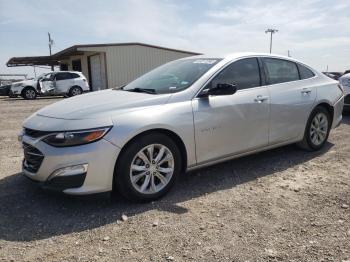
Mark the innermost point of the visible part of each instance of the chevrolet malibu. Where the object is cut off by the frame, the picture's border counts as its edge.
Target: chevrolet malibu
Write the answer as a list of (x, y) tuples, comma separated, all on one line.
[(181, 116)]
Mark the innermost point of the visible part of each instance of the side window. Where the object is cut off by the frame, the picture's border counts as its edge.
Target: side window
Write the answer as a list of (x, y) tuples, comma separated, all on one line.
[(280, 71), (61, 76), (74, 75), (243, 73), (66, 76), (305, 72), (48, 77)]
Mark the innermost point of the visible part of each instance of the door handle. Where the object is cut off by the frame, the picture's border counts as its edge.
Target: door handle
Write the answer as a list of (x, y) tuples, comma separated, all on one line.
[(260, 99), (306, 91)]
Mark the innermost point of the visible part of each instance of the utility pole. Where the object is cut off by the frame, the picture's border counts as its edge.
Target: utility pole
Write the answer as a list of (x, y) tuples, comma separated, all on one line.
[(50, 45), (289, 53), (271, 31)]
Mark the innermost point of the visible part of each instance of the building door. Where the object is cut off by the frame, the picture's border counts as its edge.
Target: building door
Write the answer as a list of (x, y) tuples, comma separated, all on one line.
[(95, 72)]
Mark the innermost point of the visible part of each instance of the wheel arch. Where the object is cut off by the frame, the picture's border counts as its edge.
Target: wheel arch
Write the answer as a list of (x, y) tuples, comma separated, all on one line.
[(328, 107), (27, 87), (171, 134), (75, 86)]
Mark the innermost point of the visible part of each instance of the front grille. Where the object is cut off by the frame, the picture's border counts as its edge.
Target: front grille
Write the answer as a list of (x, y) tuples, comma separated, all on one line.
[(35, 133), (32, 158), (347, 100)]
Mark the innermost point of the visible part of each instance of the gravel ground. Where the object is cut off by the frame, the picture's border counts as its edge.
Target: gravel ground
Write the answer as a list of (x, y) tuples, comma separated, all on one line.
[(280, 205)]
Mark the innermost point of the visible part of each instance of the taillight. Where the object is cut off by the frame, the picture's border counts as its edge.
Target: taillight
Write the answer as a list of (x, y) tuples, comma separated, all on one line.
[(341, 88)]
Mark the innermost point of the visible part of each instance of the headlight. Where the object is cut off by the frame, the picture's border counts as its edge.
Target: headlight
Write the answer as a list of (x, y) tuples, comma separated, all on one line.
[(75, 138)]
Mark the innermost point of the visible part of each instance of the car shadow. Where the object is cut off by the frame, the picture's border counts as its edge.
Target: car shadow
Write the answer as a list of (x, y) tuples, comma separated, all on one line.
[(9, 99), (28, 213), (346, 118)]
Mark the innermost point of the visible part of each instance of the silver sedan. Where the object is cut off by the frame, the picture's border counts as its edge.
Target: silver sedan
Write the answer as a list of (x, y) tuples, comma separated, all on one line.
[(183, 115)]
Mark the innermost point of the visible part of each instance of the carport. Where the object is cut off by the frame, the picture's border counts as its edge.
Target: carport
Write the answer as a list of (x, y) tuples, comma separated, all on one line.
[(106, 65)]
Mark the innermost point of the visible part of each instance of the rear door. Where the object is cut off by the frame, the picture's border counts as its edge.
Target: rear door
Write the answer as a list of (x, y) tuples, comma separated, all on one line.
[(64, 81), (291, 99), (232, 124)]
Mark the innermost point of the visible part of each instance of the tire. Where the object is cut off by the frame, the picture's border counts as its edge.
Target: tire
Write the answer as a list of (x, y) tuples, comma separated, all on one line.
[(75, 90), (151, 181), (29, 93), (317, 130)]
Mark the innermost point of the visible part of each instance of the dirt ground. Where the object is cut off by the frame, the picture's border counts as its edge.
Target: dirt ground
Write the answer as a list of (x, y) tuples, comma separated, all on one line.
[(280, 205)]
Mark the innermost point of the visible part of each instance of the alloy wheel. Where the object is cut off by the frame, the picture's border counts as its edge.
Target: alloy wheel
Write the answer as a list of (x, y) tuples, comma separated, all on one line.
[(30, 93), (152, 169), (319, 129), (76, 91)]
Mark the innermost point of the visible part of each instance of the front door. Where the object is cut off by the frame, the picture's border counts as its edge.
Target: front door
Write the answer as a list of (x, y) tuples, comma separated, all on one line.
[(232, 124)]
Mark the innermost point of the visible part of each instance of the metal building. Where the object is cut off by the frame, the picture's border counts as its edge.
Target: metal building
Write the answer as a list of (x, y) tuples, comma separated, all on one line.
[(107, 65)]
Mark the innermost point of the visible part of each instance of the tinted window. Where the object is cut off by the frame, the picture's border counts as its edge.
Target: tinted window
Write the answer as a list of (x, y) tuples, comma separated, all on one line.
[(280, 71), (243, 73), (62, 76), (305, 72), (73, 75)]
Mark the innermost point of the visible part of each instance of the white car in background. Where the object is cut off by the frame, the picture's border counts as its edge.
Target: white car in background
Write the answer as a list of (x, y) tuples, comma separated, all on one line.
[(26, 88), (68, 83), (344, 81)]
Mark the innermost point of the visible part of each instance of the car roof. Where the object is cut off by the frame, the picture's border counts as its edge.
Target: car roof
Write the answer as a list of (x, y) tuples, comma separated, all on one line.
[(76, 72), (236, 55)]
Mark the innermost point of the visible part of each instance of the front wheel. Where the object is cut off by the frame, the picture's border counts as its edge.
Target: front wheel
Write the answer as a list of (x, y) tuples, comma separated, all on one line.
[(317, 129), (29, 93), (148, 168)]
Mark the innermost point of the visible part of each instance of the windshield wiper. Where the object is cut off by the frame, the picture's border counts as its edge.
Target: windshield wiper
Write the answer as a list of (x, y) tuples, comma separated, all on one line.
[(142, 90)]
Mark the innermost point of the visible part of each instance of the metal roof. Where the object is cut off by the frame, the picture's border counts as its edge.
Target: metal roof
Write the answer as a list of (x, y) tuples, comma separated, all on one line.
[(74, 50)]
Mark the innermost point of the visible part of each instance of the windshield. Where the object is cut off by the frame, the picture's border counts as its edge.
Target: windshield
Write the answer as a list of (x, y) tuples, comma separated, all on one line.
[(172, 77)]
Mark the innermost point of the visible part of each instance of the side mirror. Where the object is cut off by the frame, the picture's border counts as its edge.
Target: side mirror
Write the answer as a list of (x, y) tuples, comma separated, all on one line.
[(219, 90)]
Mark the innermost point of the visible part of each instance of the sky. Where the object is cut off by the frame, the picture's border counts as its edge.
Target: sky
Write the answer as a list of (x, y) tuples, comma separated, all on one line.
[(315, 32)]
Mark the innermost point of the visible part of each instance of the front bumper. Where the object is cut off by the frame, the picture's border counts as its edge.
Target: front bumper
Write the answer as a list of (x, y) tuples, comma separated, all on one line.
[(100, 158)]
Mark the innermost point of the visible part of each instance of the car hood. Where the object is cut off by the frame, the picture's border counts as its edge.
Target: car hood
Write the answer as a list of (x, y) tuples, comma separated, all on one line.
[(30, 82), (104, 103)]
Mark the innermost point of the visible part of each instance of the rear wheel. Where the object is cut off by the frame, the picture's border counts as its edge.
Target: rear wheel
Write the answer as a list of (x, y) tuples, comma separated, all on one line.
[(29, 93), (148, 168), (75, 90), (317, 129)]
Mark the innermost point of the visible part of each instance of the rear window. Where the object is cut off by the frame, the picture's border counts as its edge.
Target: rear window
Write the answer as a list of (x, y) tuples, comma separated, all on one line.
[(280, 71), (305, 72), (62, 76), (74, 75)]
